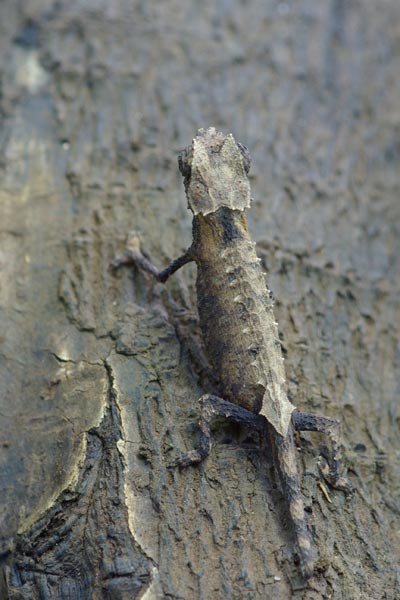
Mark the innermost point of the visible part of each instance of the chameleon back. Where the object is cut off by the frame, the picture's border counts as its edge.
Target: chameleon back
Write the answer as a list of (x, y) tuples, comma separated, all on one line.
[(236, 315)]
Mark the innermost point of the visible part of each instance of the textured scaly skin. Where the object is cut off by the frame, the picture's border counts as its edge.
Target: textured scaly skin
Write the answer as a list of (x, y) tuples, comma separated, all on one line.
[(236, 311)]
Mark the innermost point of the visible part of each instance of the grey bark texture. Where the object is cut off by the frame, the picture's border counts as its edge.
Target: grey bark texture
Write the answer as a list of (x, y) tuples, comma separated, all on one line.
[(100, 374)]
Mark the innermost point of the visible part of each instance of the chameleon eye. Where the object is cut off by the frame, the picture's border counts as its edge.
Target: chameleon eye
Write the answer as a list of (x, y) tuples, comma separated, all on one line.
[(183, 164), (246, 156)]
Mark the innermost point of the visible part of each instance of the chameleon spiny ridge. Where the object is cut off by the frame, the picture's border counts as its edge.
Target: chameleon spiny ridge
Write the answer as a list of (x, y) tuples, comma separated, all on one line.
[(237, 321)]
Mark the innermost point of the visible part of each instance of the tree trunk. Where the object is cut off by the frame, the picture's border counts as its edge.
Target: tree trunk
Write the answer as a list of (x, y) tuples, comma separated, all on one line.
[(100, 372)]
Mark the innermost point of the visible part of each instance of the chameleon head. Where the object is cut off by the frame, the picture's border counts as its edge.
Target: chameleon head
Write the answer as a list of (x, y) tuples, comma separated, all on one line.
[(215, 169)]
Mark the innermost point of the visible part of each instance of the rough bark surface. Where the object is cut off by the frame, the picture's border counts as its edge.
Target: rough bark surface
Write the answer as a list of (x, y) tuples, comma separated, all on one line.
[(99, 375)]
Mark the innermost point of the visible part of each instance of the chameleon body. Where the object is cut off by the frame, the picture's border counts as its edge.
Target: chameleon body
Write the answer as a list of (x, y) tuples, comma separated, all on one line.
[(235, 306), (237, 320), (236, 317)]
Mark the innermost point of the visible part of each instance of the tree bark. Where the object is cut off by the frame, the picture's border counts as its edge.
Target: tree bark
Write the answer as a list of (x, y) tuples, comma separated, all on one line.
[(100, 372)]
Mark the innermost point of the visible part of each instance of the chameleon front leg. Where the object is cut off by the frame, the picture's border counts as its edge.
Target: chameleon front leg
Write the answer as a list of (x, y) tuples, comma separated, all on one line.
[(212, 407), (331, 427), (134, 256)]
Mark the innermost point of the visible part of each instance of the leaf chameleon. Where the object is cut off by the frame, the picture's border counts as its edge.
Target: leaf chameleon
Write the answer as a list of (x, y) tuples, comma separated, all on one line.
[(239, 329)]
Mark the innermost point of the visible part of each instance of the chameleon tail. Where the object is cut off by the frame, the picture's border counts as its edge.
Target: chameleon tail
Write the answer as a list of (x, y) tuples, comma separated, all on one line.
[(285, 461)]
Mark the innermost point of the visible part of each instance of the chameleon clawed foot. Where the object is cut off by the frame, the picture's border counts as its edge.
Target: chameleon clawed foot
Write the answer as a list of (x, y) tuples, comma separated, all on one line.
[(131, 254), (197, 455), (134, 256), (332, 477)]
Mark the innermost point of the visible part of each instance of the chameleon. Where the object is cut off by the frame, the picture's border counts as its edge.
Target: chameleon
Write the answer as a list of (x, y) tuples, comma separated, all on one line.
[(238, 325)]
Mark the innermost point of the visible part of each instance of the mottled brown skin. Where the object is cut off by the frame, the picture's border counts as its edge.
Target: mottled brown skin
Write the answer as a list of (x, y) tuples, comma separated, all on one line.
[(225, 258), (237, 321)]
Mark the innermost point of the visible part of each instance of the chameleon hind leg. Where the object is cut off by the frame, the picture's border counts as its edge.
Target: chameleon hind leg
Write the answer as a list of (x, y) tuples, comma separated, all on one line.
[(332, 457), (211, 408)]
